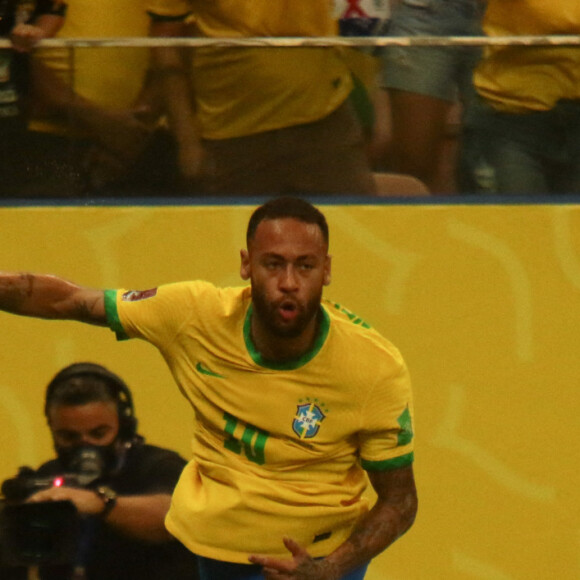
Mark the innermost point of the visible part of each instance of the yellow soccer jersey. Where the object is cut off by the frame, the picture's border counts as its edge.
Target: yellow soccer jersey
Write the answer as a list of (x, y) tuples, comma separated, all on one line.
[(278, 449), (242, 91), (111, 77), (520, 79)]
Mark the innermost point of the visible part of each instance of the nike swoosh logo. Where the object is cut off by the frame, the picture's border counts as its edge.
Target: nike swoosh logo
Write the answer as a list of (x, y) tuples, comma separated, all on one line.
[(205, 371)]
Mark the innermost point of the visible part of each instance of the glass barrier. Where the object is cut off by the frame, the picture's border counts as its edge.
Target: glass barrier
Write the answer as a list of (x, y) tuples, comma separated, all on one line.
[(387, 115)]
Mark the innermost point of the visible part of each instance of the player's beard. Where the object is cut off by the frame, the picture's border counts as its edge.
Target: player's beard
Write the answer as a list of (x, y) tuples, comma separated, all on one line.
[(268, 314)]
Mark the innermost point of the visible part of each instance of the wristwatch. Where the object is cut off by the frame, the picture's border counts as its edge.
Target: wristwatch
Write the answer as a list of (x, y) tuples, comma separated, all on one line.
[(109, 498)]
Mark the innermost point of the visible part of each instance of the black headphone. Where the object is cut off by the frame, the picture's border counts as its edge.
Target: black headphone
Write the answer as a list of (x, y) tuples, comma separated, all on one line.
[(117, 387)]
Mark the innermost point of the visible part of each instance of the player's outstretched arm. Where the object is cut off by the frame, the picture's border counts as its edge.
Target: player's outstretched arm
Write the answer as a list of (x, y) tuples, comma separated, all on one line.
[(46, 296)]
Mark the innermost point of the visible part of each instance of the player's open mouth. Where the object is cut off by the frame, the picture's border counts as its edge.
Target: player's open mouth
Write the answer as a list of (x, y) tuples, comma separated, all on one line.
[(288, 310)]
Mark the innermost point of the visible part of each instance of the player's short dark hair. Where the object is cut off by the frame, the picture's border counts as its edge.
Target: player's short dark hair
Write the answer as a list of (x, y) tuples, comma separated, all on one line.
[(287, 207)]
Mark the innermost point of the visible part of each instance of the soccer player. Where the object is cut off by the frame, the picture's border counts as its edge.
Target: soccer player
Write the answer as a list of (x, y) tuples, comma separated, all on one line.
[(298, 404)]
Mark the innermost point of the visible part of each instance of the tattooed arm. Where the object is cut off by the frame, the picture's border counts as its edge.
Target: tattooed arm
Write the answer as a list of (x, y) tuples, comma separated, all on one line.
[(391, 516), (44, 296)]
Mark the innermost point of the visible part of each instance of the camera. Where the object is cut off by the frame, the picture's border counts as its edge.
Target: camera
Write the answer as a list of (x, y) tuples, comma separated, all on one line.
[(85, 466), (46, 532)]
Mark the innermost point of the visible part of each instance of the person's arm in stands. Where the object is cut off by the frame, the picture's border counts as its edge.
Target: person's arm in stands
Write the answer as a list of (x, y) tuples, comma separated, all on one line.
[(25, 35), (171, 69), (121, 132)]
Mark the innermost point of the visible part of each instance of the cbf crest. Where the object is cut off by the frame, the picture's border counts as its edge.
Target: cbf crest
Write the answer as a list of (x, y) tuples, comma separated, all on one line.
[(309, 416)]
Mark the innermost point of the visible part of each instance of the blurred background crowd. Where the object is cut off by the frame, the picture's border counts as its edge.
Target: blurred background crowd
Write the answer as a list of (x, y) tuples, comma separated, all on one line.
[(443, 118)]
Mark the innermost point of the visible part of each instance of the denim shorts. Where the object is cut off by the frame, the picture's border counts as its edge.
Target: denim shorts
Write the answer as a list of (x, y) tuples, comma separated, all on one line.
[(441, 72), (529, 153)]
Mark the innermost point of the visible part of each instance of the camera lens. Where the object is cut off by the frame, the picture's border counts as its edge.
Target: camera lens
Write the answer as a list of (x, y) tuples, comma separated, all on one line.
[(88, 463)]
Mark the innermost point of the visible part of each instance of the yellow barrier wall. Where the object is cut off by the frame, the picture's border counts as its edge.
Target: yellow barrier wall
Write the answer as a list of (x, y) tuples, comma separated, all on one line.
[(483, 301)]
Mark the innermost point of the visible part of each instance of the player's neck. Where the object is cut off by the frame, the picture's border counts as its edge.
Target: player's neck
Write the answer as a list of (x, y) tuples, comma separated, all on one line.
[(281, 349)]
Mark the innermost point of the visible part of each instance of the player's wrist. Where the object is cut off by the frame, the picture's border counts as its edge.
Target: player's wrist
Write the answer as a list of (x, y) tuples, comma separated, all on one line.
[(329, 570)]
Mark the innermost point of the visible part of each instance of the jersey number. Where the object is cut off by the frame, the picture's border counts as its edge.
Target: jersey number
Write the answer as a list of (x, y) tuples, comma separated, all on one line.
[(252, 443)]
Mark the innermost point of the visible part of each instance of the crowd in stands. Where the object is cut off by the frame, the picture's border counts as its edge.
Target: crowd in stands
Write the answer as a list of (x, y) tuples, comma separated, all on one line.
[(222, 120)]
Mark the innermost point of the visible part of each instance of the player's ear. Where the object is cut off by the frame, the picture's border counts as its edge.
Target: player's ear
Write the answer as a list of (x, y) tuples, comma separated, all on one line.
[(245, 265), (327, 270)]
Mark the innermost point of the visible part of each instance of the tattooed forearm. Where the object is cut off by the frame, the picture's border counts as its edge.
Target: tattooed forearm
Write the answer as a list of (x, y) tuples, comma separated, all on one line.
[(89, 310), (15, 290), (397, 505), (394, 521), (83, 312), (391, 516), (45, 296)]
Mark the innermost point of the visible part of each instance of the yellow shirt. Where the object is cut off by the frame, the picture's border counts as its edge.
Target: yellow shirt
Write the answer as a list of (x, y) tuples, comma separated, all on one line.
[(278, 449), (520, 79), (110, 77), (241, 91)]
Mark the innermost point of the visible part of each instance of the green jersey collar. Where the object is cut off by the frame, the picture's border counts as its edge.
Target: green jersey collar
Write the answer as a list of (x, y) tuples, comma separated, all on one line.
[(292, 364)]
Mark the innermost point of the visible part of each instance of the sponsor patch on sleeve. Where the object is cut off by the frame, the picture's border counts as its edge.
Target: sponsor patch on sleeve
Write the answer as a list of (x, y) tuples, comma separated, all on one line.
[(136, 295)]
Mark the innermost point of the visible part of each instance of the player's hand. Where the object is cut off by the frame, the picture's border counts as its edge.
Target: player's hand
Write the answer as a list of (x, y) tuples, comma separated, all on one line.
[(301, 567), (86, 501)]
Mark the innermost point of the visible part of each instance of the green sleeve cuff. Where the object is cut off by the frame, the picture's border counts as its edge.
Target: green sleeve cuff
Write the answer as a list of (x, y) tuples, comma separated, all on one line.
[(395, 463), (113, 315)]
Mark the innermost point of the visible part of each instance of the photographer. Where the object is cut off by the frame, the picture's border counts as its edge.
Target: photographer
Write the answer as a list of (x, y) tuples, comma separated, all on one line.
[(120, 486)]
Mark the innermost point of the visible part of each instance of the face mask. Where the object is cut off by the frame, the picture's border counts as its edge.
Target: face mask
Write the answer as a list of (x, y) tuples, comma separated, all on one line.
[(89, 463)]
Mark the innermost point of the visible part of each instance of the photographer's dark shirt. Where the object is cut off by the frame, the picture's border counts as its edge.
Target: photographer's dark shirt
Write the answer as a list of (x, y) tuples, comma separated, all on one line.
[(110, 555)]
